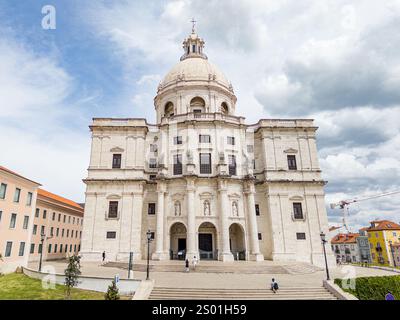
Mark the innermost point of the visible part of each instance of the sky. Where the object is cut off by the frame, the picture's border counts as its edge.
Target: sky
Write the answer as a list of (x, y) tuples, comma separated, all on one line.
[(333, 61)]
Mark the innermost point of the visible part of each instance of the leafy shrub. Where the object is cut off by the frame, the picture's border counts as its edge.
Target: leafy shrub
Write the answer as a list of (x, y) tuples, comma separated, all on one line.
[(112, 292), (374, 288)]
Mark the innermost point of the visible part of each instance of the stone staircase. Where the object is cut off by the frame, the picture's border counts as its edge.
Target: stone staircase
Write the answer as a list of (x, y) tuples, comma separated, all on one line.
[(307, 293)]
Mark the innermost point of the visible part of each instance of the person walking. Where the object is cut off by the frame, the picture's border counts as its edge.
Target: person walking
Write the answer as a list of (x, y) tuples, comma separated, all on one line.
[(274, 286), (187, 265), (194, 262), (104, 256)]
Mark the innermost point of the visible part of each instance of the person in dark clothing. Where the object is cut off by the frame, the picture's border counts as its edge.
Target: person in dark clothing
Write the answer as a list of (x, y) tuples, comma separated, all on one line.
[(187, 265), (274, 286), (104, 255)]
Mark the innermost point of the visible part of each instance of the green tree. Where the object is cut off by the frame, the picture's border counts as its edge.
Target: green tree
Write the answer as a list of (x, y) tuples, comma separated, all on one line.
[(71, 274), (112, 292)]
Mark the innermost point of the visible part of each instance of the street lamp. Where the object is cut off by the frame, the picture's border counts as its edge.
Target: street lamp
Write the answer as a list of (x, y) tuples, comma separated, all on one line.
[(42, 238), (148, 234), (391, 250), (322, 235)]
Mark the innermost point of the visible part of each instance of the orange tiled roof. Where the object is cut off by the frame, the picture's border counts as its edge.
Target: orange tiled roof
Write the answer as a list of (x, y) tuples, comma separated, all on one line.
[(380, 225), (18, 175), (345, 238), (55, 197)]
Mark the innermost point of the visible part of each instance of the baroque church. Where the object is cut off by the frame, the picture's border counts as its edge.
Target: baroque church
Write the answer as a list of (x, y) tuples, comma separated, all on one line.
[(201, 182)]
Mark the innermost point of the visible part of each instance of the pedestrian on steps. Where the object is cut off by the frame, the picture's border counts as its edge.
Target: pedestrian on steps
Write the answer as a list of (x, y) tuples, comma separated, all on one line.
[(274, 286), (103, 256), (194, 262), (187, 265)]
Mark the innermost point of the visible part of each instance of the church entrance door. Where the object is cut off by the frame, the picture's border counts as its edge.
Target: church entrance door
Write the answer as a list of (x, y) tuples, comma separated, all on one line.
[(207, 241), (177, 235)]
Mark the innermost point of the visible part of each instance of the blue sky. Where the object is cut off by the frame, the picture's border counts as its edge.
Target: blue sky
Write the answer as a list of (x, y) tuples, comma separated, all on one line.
[(333, 61)]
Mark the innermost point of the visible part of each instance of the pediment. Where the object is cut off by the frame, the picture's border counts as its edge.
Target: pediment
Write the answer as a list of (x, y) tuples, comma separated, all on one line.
[(177, 196), (206, 195), (114, 196), (290, 150), (117, 149), (296, 198), (234, 195)]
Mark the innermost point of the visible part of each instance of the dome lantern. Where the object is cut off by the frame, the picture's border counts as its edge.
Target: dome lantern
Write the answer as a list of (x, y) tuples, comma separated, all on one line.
[(193, 45)]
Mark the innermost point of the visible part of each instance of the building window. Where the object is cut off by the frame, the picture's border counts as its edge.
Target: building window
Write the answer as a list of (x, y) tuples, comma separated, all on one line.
[(65, 218), (204, 138), (29, 199), (54, 216), (257, 210), (3, 190), (152, 177), (205, 163), (34, 231), (153, 148), (259, 236), (40, 247), (13, 220), (70, 248), (32, 248), (42, 230), (254, 164), (61, 248), (301, 236), (151, 208), (250, 148), (177, 164), (153, 163), (55, 248), (1, 215), (232, 165), (178, 140), (113, 209), (59, 217), (51, 231), (44, 214), (116, 162), (291, 159), (231, 141), (8, 249), (67, 233), (152, 235), (66, 248), (26, 222), (69, 219), (49, 248), (111, 235), (297, 211), (37, 212), (17, 194), (57, 232)]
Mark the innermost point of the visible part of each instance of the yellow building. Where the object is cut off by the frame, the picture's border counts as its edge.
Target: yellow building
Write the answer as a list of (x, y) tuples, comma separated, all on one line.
[(381, 234)]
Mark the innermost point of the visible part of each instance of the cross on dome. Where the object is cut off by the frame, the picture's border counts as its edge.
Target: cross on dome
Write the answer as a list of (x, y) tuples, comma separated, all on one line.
[(193, 45), (193, 25)]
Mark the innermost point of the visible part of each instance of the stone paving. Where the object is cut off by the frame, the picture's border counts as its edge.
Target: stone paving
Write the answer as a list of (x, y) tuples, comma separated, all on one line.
[(195, 279)]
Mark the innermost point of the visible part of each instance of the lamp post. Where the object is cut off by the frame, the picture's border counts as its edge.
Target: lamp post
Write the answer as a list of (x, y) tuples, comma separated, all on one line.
[(391, 250), (148, 234), (322, 235), (42, 238)]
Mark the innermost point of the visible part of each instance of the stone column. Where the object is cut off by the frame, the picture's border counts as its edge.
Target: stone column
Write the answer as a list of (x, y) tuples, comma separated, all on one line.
[(225, 253), (253, 229), (160, 254), (136, 230), (191, 222)]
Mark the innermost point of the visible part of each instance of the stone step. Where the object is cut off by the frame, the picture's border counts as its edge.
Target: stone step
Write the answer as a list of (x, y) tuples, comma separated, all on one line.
[(276, 297)]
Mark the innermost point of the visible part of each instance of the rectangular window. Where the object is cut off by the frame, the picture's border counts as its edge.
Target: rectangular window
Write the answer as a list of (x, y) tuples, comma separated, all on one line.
[(66, 248), (250, 148), (1, 215), (55, 248), (40, 248), (151, 208), (116, 162), (297, 211), (178, 140), (73, 220), (34, 231), (113, 209), (57, 232), (51, 231), (67, 233), (29, 199), (26, 222), (204, 138), (8, 249), (13, 220), (177, 164), (231, 141), (3, 190), (49, 248), (152, 177), (291, 159), (257, 210), (37, 212), (74, 247), (70, 248), (153, 148), (153, 163), (232, 165), (259, 236), (69, 219), (44, 214), (61, 248), (59, 217), (254, 164), (17, 194), (32, 248), (152, 235), (301, 236), (65, 218), (42, 230), (205, 163), (111, 235), (54, 216), (21, 249)]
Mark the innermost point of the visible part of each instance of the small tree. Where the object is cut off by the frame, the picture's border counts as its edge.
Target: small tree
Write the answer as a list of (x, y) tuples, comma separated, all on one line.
[(71, 274), (112, 292)]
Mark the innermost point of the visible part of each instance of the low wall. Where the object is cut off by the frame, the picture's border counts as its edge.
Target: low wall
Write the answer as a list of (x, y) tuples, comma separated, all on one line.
[(100, 284), (337, 291)]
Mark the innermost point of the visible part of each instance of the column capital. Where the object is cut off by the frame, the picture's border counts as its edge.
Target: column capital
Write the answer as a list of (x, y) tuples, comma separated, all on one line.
[(161, 187)]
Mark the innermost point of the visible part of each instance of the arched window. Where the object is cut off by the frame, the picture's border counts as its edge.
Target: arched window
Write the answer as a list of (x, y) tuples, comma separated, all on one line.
[(197, 105), (169, 109), (224, 108)]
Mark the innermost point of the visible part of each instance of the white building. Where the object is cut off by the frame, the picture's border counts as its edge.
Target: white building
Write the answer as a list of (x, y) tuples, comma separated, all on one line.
[(205, 182)]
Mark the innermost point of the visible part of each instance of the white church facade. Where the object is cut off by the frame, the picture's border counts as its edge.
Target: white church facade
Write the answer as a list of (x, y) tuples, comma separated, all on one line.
[(201, 180)]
